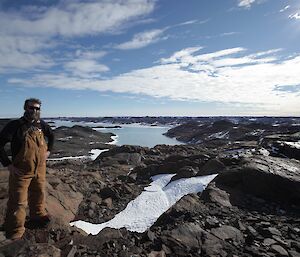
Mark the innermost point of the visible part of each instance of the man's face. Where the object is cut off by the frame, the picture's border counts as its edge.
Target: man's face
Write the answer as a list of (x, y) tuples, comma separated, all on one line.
[(33, 111)]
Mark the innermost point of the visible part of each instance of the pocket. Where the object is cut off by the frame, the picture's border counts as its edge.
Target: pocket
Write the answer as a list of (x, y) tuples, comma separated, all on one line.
[(24, 160)]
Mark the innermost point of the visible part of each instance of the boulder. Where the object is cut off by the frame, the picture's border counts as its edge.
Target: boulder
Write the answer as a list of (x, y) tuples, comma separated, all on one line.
[(227, 233), (62, 201), (215, 194), (279, 250), (188, 234), (212, 166), (185, 172), (266, 177), (212, 246)]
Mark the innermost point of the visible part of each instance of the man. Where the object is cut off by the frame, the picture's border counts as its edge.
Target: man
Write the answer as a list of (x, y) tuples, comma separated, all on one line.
[(27, 168)]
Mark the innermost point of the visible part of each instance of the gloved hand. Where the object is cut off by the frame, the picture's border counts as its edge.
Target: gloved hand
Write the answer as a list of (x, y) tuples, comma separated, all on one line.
[(47, 155)]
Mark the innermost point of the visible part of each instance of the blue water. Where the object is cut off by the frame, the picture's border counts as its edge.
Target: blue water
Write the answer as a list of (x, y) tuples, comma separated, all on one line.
[(130, 134)]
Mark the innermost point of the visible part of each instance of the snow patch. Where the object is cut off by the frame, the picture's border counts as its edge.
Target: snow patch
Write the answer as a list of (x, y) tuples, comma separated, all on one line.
[(67, 158), (219, 135), (114, 142), (142, 212), (293, 144), (94, 153), (264, 152), (64, 138)]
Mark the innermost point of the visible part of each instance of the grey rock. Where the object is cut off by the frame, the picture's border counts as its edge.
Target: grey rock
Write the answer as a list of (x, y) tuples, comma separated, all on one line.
[(150, 235), (241, 226), (294, 253), (269, 241), (279, 250), (269, 232), (280, 241), (211, 222), (296, 245), (252, 231)]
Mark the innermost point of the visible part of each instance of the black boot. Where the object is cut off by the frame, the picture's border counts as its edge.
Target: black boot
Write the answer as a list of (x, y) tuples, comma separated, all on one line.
[(39, 222)]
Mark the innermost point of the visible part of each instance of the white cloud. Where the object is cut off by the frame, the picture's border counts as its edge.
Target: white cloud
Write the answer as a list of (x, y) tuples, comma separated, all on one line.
[(191, 22), (245, 3), (27, 33), (90, 54), (181, 55), (71, 18), (295, 16), (22, 43), (224, 76), (188, 22), (19, 53), (228, 34), (146, 38), (85, 63), (142, 39), (85, 68), (186, 58), (285, 8)]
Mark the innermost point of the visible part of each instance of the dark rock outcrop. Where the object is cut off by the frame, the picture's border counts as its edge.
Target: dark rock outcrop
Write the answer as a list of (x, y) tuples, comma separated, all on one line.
[(78, 141), (265, 177)]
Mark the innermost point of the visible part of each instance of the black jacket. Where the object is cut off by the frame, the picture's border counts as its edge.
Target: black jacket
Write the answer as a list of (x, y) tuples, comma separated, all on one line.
[(14, 132)]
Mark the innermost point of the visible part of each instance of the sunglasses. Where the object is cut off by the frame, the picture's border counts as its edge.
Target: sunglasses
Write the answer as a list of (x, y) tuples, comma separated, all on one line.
[(34, 108)]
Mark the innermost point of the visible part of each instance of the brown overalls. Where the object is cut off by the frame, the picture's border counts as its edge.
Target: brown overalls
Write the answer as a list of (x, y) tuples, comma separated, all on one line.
[(31, 161)]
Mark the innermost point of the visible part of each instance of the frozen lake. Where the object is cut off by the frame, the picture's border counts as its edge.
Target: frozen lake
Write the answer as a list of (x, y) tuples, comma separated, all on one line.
[(129, 134)]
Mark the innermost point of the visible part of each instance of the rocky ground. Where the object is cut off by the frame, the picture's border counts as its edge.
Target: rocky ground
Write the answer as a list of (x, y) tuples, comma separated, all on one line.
[(78, 141), (252, 208), (279, 137)]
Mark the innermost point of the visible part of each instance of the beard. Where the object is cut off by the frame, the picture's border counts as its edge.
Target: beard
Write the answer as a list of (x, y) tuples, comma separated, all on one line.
[(32, 116)]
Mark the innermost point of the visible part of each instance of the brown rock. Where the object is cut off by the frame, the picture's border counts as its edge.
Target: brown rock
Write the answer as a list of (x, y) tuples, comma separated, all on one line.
[(157, 254), (108, 203), (216, 195), (40, 250), (228, 233), (188, 234), (63, 202), (212, 246), (211, 167)]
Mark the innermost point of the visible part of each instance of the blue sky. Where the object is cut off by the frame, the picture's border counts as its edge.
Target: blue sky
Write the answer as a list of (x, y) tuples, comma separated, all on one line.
[(151, 57)]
